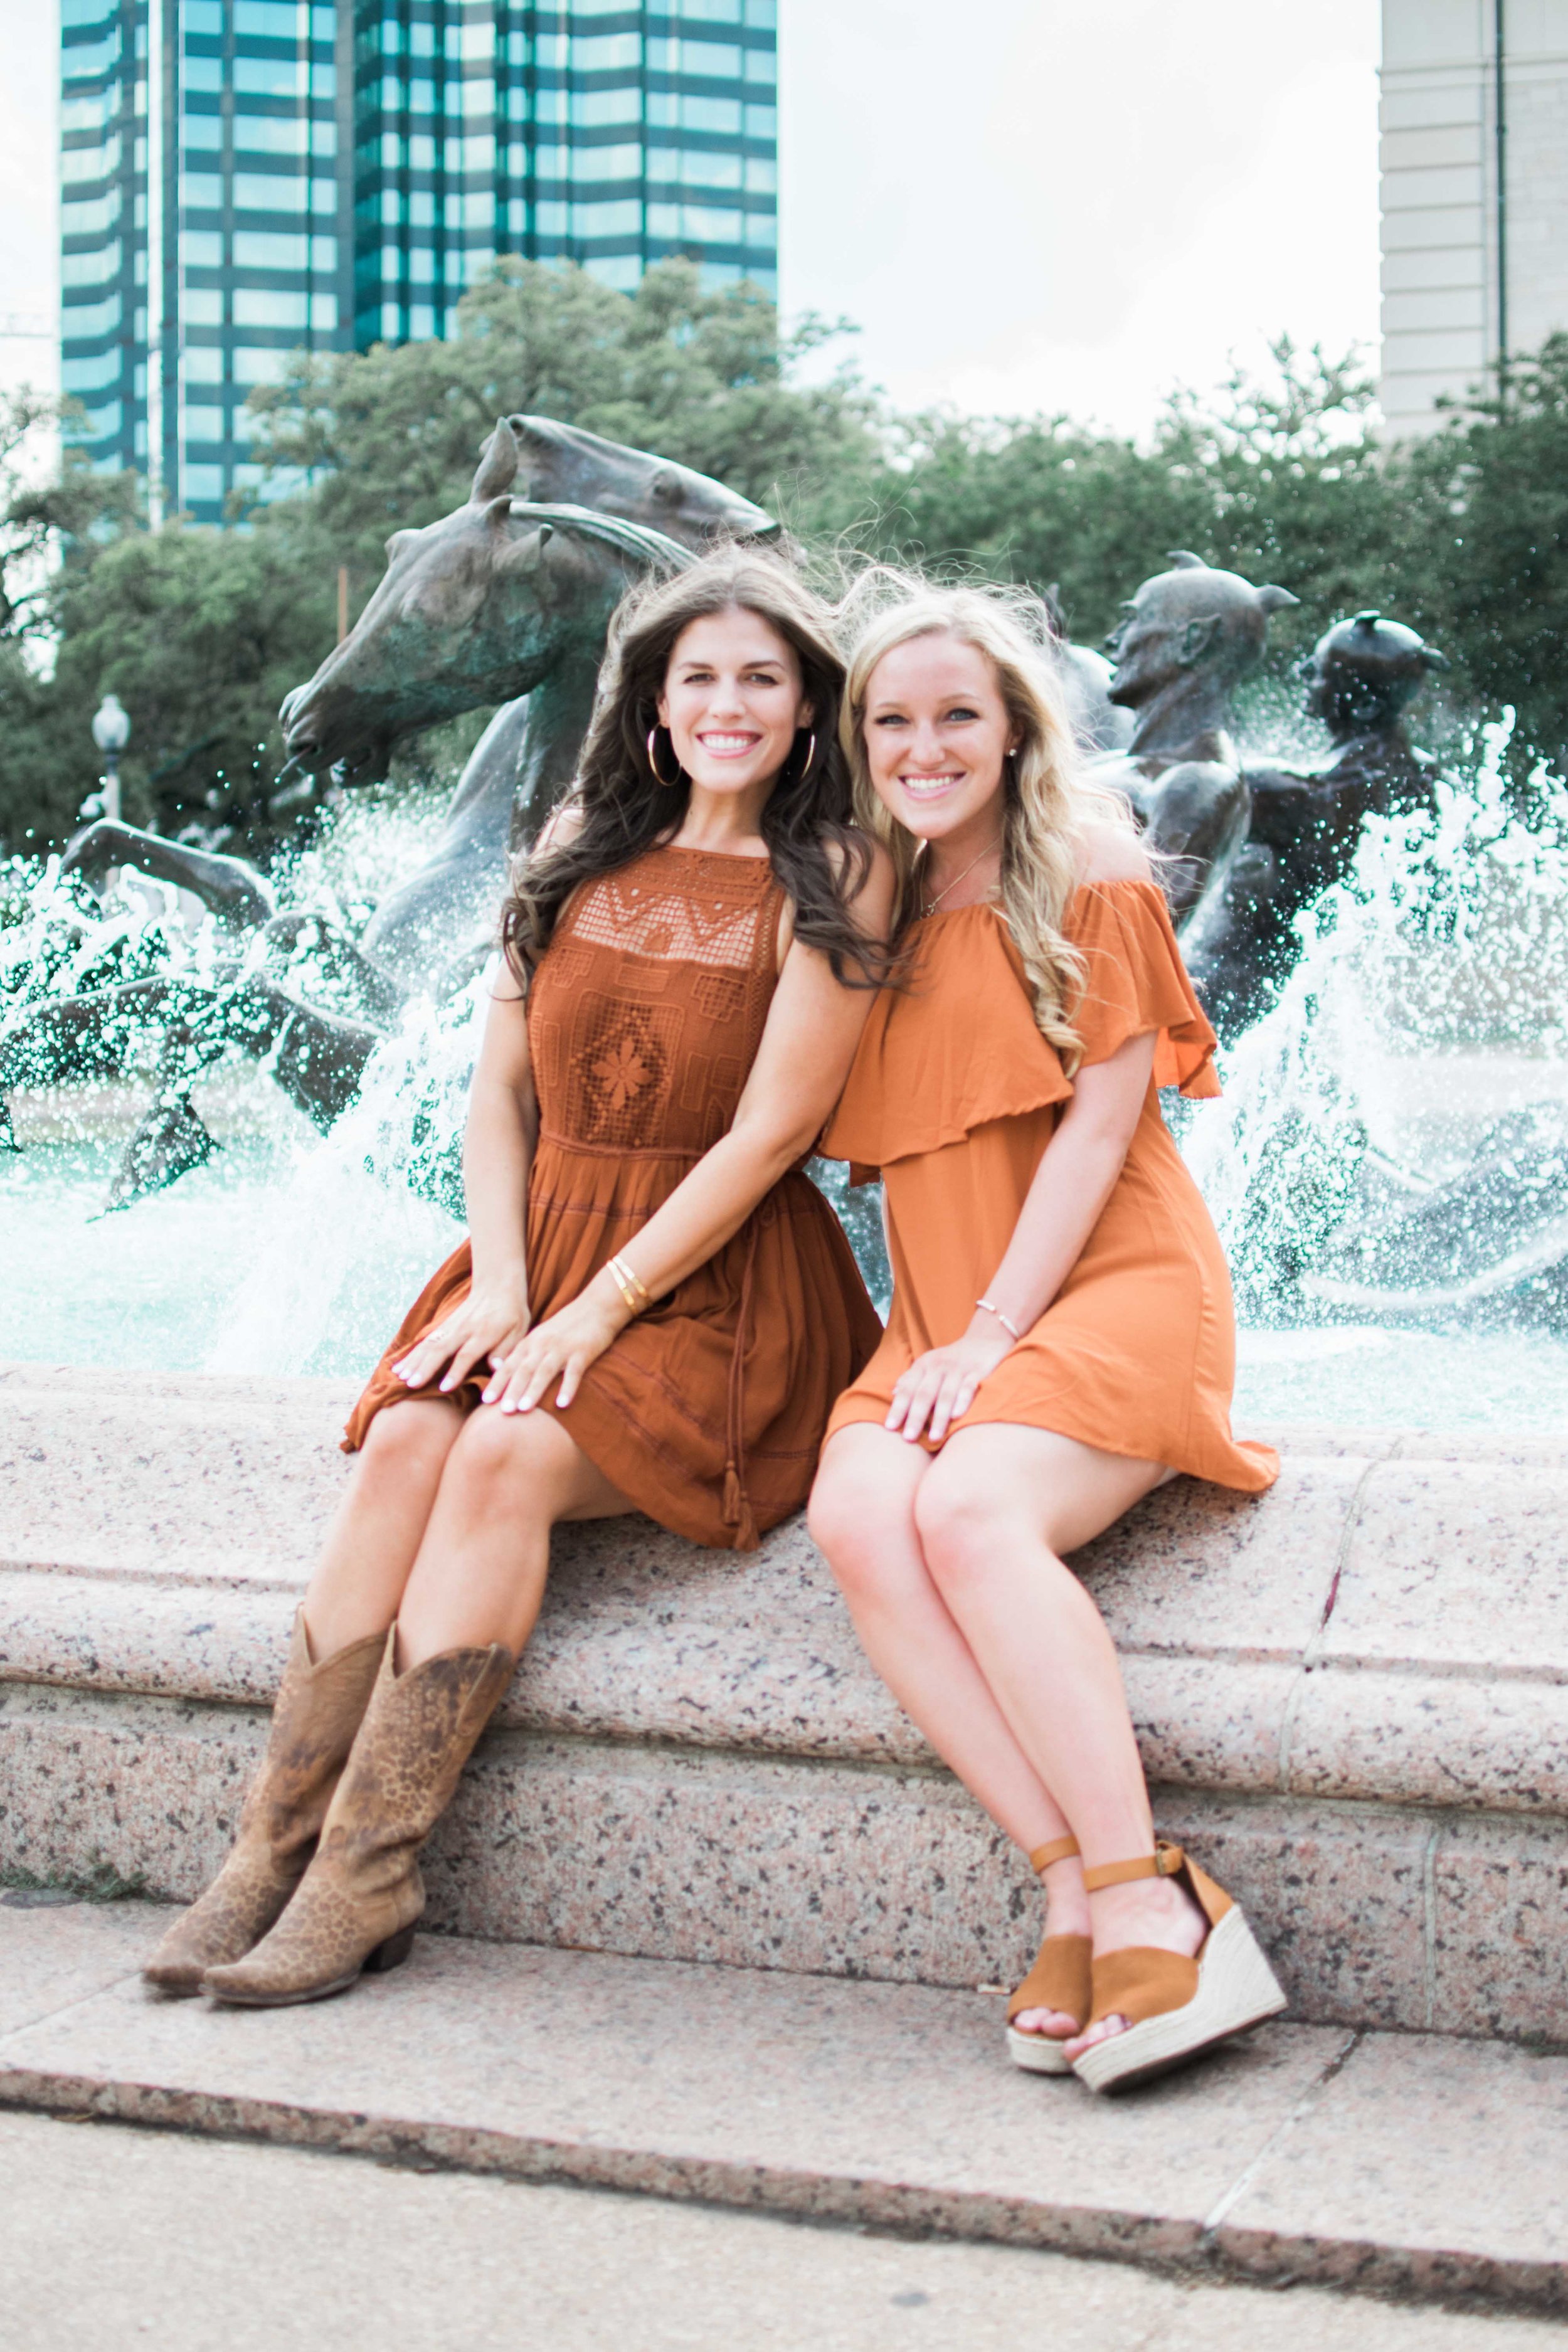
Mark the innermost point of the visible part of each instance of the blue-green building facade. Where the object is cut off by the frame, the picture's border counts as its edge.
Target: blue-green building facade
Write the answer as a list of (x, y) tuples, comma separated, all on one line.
[(242, 177)]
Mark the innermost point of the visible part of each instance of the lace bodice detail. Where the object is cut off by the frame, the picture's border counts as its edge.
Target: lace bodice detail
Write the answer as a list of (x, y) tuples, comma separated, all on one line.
[(645, 1014)]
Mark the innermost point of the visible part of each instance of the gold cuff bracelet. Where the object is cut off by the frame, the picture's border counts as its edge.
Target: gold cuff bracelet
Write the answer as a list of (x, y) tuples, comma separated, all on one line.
[(633, 1289)]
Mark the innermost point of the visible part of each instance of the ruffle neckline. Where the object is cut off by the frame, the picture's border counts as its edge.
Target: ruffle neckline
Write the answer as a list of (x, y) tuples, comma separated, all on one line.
[(957, 1047)]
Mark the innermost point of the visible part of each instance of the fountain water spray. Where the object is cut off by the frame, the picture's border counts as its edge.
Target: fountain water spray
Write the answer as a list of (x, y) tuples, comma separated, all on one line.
[(1392, 1142)]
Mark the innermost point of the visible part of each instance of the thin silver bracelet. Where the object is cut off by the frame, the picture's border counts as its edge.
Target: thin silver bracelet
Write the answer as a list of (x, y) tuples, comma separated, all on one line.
[(1010, 1327)]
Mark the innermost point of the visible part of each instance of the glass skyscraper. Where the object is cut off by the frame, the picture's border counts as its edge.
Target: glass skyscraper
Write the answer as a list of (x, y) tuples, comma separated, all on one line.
[(241, 177), (610, 134)]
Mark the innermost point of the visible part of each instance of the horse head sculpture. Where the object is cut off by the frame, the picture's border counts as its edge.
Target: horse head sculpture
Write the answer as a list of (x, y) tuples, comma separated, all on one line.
[(477, 607), (483, 605), (562, 464)]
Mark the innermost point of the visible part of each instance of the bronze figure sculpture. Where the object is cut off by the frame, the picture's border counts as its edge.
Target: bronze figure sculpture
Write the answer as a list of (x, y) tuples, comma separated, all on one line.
[(1190, 635), (1361, 675)]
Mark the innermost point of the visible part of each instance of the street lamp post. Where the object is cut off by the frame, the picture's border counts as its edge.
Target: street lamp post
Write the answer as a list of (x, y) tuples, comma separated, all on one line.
[(112, 732)]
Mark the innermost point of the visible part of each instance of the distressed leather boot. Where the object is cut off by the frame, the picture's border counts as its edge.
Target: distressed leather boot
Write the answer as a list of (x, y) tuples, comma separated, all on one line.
[(356, 1905), (319, 1708)]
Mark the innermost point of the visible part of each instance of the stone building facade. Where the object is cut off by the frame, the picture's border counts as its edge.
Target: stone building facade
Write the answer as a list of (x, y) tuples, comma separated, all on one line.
[(1475, 193)]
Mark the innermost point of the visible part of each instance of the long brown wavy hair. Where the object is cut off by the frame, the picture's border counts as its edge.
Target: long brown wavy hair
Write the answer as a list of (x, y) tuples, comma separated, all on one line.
[(1047, 799), (820, 855)]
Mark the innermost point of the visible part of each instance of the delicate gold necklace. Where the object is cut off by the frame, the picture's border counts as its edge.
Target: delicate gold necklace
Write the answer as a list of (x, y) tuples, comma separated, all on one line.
[(930, 906)]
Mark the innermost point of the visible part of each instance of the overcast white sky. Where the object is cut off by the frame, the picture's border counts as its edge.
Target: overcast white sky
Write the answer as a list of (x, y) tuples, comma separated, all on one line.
[(1071, 203), (1024, 203)]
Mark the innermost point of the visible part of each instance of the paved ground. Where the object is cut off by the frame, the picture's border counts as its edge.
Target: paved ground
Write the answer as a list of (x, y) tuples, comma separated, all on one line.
[(111, 2237)]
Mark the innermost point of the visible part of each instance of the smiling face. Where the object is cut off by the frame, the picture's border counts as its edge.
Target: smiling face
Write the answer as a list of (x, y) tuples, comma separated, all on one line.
[(732, 702), (937, 732)]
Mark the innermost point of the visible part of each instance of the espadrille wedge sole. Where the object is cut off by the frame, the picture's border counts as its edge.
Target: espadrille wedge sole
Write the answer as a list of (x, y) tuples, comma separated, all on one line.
[(1175, 2006), (1237, 1990), (1041, 2053)]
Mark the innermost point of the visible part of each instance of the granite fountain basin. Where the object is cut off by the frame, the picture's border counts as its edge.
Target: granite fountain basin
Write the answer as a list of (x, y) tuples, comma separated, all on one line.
[(1350, 1696)]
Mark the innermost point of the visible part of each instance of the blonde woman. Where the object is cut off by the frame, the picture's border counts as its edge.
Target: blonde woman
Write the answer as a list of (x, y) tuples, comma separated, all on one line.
[(1062, 1338)]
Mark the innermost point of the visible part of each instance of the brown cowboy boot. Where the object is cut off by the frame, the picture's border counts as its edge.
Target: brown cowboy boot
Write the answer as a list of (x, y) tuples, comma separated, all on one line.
[(315, 1716), (357, 1903)]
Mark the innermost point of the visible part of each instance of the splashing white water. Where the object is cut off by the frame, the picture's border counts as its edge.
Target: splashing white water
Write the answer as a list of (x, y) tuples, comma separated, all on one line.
[(370, 1209), (1394, 1136)]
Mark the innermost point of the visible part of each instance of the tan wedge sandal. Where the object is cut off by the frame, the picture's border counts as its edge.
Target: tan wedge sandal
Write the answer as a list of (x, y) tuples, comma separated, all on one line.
[(1175, 2007), (1058, 1980)]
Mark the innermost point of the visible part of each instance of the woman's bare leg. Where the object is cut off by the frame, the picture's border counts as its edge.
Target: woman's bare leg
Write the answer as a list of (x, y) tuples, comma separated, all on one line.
[(995, 1513), (862, 1514), (378, 1526), (479, 1573)]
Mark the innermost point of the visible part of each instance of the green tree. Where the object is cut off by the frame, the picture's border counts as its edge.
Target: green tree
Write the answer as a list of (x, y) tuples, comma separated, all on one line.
[(51, 533), (1277, 478), (1484, 550), (201, 633), (387, 438)]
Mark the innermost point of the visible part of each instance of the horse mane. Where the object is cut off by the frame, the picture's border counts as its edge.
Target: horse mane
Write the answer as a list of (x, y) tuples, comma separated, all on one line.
[(638, 540)]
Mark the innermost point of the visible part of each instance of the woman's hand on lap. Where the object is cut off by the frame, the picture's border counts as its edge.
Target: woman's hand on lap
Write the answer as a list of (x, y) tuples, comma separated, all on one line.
[(481, 1328), (940, 1386), (564, 1346)]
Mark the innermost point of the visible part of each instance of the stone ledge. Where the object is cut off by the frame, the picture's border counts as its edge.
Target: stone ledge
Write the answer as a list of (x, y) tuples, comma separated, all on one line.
[(1373, 1915), (1390, 1625), (1347, 1693), (1384, 2163)]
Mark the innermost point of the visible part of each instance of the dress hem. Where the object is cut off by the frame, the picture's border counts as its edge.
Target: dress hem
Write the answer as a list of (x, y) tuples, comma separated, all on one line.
[(853, 1411)]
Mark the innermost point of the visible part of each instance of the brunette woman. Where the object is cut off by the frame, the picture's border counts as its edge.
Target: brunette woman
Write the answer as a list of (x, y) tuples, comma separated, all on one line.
[(1061, 1338), (654, 1309)]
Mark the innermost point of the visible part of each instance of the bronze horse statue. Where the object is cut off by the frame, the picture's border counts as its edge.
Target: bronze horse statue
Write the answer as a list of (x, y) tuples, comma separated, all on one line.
[(504, 599)]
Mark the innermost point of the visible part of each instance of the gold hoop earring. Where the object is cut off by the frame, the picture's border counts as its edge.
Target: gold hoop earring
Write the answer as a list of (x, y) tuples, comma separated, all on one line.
[(669, 782)]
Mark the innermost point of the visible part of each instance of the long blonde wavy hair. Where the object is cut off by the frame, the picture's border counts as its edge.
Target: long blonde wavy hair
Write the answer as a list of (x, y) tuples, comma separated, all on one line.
[(1047, 799)]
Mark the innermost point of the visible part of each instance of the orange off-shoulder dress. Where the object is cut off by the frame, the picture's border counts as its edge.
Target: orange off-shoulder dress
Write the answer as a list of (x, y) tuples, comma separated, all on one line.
[(955, 1096), (644, 1020)]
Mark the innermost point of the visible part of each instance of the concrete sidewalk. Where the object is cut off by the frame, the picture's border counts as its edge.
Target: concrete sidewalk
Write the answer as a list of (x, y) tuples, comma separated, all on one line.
[(1409, 2164), (111, 2237)]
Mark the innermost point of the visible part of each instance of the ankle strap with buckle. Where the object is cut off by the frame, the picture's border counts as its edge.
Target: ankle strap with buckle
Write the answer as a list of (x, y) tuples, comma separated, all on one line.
[(1164, 1863)]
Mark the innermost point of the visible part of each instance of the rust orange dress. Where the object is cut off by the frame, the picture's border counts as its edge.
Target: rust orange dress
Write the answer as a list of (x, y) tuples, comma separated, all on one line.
[(955, 1096), (644, 1019)]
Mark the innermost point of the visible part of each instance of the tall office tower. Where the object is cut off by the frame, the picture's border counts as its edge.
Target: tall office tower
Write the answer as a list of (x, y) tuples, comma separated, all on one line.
[(243, 177), (1474, 193), (207, 223), (608, 133)]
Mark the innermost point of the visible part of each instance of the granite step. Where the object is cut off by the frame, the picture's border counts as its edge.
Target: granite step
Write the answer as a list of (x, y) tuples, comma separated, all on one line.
[(1349, 1694), (1414, 2165)]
